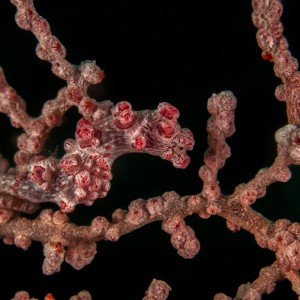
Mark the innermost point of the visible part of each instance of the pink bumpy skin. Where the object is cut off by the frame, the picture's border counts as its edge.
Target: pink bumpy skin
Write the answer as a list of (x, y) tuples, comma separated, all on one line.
[(83, 174)]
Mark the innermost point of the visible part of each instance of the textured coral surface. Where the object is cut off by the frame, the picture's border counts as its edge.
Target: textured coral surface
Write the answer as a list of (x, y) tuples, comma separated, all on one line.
[(152, 53)]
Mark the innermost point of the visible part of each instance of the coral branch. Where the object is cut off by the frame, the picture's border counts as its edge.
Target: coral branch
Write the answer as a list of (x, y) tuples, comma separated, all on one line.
[(219, 126), (270, 38), (105, 131), (22, 295), (158, 290)]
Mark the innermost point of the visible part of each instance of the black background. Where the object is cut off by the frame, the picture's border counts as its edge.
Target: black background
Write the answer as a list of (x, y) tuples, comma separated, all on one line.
[(155, 51)]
